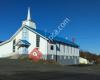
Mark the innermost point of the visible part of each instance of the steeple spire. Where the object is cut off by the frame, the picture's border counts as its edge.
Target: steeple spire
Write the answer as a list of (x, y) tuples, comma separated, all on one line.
[(29, 21), (29, 15)]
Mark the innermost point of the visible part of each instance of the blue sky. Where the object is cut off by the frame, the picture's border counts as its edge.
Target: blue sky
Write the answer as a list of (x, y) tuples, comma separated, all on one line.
[(84, 17)]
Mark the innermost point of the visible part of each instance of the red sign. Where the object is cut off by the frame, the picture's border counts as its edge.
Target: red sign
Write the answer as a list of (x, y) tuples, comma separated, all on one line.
[(35, 54)]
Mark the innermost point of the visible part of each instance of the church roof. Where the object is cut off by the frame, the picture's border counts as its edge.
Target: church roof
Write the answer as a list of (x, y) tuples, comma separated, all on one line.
[(55, 39)]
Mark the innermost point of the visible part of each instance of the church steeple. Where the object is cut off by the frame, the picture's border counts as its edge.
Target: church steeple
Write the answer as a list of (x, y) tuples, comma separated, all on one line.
[(29, 15), (29, 21)]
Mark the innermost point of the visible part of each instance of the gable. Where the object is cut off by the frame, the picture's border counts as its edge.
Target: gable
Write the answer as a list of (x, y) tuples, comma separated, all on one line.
[(43, 35), (18, 32)]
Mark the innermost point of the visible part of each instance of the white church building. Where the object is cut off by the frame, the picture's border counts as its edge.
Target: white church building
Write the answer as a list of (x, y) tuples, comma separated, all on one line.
[(29, 37)]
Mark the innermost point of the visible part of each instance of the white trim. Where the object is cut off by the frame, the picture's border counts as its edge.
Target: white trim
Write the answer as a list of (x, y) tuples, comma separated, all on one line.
[(12, 36), (18, 32)]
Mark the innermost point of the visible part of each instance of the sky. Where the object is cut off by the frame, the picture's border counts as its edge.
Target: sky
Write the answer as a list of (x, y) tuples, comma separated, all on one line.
[(84, 16)]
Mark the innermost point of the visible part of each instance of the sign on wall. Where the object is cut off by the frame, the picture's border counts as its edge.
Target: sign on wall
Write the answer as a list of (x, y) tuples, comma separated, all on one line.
[(35, 54)]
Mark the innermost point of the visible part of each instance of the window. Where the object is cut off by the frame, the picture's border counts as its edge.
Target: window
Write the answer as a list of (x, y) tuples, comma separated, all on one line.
[(64, 48), (14, 42), (58, 47), (25, 34), (37, 40), (71, 50), (52, 47), (68, 49)]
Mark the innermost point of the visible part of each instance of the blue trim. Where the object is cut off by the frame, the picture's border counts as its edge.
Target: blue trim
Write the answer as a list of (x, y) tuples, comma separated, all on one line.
[(56, 39), (23, 42)]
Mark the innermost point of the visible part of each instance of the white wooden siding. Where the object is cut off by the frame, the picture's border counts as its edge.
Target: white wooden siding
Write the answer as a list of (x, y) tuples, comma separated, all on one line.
[(32, 41), (6, 49)]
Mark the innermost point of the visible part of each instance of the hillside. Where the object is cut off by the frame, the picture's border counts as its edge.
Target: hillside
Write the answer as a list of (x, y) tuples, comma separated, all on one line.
[(90, 56)]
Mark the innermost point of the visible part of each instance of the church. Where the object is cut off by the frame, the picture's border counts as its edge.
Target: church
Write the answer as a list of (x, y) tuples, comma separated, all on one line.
[(28, 37)]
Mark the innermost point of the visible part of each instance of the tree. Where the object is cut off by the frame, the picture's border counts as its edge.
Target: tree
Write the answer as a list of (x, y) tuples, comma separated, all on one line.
[(90, 56)]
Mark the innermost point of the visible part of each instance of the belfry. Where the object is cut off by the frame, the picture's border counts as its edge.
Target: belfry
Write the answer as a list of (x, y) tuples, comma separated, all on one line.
[(29, 21)]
